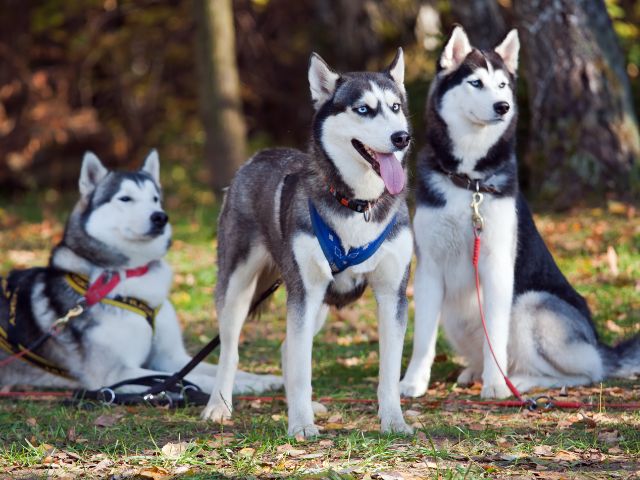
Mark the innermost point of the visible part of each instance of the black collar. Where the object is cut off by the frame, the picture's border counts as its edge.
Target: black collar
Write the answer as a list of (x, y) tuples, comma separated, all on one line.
[(360, 206), (463, 180)]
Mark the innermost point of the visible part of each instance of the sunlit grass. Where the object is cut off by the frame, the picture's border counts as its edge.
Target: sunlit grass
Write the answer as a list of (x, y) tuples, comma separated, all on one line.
[(450, 442)]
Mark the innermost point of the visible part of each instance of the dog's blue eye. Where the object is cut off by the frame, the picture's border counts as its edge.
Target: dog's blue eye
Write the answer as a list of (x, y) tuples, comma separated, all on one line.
[(395, 107), (502, 85), (125, 199), (476, 83), (363, 110)]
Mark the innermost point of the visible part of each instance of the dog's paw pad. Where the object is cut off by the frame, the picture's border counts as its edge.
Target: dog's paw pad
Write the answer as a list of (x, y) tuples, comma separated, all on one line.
[(216, 413), (305, 431), (413, 388)]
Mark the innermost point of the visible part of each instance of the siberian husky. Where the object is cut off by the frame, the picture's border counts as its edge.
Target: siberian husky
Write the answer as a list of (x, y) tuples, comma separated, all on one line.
[(540, 327), (117, 225), (307, 218)]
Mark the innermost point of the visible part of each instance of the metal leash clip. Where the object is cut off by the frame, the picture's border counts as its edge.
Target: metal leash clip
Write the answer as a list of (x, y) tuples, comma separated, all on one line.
[(74, 312), (476, 219), (159, 398)]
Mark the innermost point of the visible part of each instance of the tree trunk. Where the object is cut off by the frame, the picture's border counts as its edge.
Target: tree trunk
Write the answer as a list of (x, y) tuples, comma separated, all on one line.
[(221, 106), (481, 20), (583, 131)]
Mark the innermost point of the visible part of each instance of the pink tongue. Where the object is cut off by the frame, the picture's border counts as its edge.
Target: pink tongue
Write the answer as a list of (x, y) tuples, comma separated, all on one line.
[(391, 172)]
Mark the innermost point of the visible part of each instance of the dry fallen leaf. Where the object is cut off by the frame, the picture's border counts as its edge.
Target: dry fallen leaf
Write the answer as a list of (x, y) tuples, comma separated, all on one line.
[(175, 450), (247, 452), (611, 437), (32, 422), (288, 449), (108, 420), (390, 476), (154, 472), (543, 450)]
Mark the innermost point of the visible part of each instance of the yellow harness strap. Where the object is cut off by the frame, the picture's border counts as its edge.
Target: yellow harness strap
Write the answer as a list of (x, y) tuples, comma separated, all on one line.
[(80, 284)]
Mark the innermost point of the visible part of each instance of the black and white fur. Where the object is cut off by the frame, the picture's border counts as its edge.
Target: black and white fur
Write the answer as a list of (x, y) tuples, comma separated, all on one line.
[(117, 224), (265, 233), (538, 324)]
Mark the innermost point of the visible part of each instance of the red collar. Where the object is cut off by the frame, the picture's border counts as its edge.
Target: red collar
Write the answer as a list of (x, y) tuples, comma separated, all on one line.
[(108, 281)]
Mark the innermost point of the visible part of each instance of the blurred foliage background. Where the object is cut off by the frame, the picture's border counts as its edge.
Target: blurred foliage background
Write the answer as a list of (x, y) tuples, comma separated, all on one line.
[(122, 76)]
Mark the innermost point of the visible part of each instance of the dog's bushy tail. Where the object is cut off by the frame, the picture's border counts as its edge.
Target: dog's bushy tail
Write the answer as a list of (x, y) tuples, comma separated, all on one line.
[(623, 360), (268, 283)]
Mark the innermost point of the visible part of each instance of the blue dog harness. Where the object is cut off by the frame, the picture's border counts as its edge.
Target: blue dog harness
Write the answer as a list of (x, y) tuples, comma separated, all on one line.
[(338, 259)]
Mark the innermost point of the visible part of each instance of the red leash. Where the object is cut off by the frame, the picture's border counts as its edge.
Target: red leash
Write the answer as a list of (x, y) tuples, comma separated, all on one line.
[(476, 258), (99, 289)]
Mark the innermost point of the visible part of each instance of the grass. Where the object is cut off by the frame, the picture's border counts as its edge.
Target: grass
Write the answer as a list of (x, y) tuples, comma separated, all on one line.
[(598, 249)]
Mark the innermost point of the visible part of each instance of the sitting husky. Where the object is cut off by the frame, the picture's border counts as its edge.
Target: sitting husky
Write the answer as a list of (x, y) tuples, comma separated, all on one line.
[(539, 326), (118, 225), (328, 223)]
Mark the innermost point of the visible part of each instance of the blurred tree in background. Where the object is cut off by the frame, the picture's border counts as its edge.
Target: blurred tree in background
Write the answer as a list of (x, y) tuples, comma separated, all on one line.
[(220, 101), (122, 76)]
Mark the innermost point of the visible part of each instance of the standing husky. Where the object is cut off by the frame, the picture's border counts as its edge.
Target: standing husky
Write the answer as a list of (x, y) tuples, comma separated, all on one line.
[(310, 219), (539, 326), (117, 225)]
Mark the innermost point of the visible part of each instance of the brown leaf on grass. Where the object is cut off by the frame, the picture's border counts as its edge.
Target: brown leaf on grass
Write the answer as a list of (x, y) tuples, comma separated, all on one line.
[(154, 472), (221, 440), (335, 418), (289, 450), (391, 476), (71, 434), (108, 420), (567, 456), (247, 452), (32, 422), (175, 450), (543, 451), (610, 437)]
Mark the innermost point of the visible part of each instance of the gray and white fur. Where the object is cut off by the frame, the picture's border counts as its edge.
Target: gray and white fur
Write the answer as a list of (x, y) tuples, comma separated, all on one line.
[(117, 224), (540, 327), (265, 233)]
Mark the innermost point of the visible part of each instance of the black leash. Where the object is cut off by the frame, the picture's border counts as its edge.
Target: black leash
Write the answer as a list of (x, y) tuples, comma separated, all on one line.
[(171, 390)]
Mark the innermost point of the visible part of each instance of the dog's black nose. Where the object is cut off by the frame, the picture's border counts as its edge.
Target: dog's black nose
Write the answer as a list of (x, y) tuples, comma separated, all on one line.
[(400, 139), (501, 108), (159, 219)]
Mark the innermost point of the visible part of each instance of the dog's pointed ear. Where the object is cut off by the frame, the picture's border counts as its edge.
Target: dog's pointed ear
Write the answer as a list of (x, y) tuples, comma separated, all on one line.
[(152, 165), (322, 80), (509, 50), (396, 69), (91, 173), (456, 49)]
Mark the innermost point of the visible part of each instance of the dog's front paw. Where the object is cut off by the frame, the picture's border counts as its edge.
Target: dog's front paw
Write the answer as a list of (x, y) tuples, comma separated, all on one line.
[(495, 390), (395, 424), (306, 431), (468, 376), (413, 388), (217, 412)]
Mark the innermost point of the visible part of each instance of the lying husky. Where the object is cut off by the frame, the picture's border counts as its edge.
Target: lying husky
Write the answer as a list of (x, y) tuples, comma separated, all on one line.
[(539, 326), (118, 225), (328, 222)]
